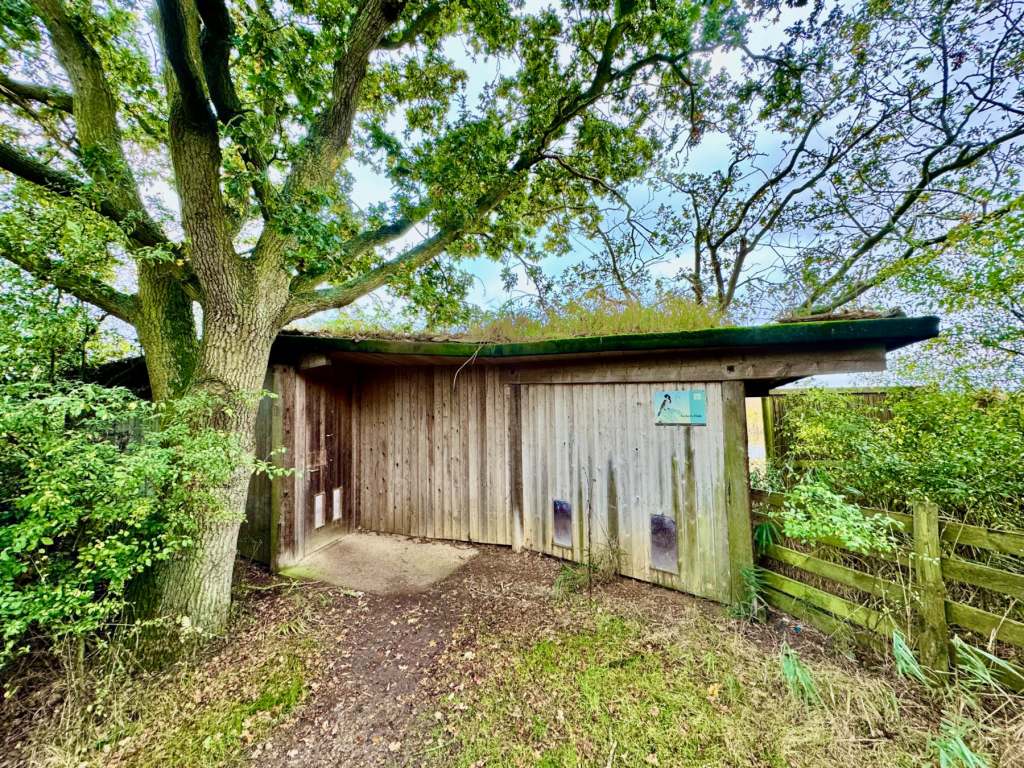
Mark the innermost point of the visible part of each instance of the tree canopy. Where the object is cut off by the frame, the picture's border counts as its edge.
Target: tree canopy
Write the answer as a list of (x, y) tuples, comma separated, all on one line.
[(270, 107), (861, 144)]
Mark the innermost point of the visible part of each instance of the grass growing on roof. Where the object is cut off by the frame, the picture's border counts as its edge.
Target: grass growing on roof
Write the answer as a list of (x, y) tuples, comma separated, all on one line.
[(621, 693), (595, 317)]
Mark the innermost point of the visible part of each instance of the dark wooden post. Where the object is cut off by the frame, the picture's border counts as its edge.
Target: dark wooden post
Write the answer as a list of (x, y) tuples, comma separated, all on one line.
[(934, 633), (737, 486)]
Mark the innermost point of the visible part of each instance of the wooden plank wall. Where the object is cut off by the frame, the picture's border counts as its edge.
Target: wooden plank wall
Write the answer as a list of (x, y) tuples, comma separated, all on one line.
[(327, 464), (475, 455), (597, 446), (432, 453)]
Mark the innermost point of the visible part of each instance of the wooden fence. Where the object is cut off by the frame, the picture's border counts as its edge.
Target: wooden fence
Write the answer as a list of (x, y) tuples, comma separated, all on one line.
[(914, 598)]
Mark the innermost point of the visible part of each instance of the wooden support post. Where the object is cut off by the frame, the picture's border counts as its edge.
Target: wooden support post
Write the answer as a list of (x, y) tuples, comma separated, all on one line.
[(515, 464), (737, 487), (934, 633)]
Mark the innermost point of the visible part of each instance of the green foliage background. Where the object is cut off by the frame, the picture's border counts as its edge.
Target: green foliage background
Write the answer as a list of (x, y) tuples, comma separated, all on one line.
[(962, 449), (95, 487)]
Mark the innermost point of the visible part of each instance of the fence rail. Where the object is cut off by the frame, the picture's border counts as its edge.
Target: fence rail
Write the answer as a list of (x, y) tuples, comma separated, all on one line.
[(922, 599)]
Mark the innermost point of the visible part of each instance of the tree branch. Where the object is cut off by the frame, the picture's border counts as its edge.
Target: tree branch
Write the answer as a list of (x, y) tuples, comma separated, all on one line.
[(85, 287), (215, 50), (963, 159), (310, 302), (321, 153), (95, 114), (306, 302), (357, 246), (414, 28), (194, 143), (140, 230), (175, 36), (43, 94)]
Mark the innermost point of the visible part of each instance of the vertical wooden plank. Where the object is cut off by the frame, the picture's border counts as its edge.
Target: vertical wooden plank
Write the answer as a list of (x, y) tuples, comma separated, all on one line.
[(527, 462), (437, 467), (768, 420), (737, 484), (689, 551), (450, 508), (357, 449), (465, 397), (369, 445), (393, 450), (471, 440), (543, 445), (421, 462), (301, 474), (382, 447), (637, 426), (403, 439), (933, 635), (489, 424), (513, 399)]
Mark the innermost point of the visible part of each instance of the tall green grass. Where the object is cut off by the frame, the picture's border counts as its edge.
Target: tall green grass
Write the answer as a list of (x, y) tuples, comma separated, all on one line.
[(595, 317)]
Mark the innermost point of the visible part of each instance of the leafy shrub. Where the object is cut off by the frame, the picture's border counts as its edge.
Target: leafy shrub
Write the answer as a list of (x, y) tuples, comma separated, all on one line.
[(963, 450), (814, 513), (95, 487)]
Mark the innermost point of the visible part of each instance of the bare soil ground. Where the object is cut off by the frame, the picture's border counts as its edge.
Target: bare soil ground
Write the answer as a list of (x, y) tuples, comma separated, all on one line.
[(319, 675), (390, 659)]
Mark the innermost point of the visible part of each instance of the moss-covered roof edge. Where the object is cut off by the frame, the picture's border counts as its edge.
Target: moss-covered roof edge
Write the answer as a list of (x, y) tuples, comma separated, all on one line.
[(891, 333)]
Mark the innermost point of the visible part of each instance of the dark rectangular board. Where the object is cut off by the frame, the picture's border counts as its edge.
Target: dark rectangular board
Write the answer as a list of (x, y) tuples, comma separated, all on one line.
[(664, 544), (562, 513)]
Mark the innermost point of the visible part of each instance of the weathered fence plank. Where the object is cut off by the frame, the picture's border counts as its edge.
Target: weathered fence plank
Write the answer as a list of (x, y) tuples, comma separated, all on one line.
[(1007, 542), (985, 623), (873, 585), (822, 620), (978, 575), (858, 614)]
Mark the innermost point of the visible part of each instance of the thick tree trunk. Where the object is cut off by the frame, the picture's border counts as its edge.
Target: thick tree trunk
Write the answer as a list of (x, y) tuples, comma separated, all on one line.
[(193, 589)]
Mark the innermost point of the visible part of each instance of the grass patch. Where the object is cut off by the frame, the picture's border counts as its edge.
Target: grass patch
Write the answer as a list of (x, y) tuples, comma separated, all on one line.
[(194, 716), (590, 316), (618, 693), (595, 316)]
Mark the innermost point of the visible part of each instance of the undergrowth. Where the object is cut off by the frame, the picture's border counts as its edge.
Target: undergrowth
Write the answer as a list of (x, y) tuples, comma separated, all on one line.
[(601, 567), (193, 715), (621, 692)]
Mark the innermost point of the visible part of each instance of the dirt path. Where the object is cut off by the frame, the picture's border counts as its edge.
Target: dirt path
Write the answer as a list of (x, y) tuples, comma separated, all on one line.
[(387, 660)]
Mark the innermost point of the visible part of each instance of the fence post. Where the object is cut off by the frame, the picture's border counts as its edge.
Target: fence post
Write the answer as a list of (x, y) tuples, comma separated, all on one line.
[(768, 426), (934, 634)]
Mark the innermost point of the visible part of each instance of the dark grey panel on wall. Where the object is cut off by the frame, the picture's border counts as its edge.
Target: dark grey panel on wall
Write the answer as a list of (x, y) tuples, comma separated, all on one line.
[(562, 513), (664, 544)]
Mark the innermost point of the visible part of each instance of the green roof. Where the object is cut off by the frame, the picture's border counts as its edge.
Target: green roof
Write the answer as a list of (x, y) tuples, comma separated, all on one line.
[(891, 333)]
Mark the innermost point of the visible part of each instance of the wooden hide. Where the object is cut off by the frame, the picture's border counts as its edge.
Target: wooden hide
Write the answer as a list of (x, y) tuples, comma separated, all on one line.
[(481, 453)]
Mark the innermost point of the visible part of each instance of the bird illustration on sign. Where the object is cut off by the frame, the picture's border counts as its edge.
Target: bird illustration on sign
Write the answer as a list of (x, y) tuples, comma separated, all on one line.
[(680, 406)]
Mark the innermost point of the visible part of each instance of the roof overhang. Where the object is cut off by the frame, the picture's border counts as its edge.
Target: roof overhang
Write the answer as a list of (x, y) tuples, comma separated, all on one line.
[(889, 334)]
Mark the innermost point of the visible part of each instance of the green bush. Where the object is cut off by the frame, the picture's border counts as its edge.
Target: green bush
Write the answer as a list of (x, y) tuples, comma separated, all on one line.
[(95, 487), (963, 450), (814, 513)]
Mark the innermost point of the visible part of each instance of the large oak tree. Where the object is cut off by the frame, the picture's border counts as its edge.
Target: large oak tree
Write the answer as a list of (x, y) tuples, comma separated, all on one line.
[(207, 148)]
